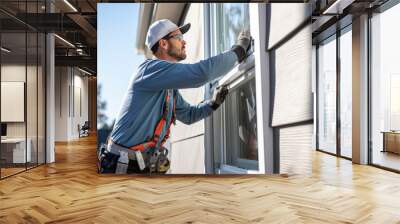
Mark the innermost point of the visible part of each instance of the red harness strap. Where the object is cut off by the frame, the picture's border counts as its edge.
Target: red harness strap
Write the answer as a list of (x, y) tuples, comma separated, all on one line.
[(159, 127)]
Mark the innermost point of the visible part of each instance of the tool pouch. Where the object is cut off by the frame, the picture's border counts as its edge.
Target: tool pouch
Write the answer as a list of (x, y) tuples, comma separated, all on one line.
[(158, 161), (122, 164), (107, 162)]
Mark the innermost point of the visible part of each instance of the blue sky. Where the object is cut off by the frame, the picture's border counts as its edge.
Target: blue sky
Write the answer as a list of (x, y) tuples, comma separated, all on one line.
[(117, 59)]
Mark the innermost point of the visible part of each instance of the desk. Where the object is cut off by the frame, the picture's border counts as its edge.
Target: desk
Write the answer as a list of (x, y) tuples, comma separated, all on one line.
[(13, 150), (391, 141)]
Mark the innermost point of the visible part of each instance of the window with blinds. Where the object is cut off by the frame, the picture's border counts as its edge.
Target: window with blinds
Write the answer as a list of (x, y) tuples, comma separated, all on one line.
[(290, 45), (291, 69)]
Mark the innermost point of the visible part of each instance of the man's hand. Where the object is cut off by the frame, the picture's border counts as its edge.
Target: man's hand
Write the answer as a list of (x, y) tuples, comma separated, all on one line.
[(242, 45), (219, 97)]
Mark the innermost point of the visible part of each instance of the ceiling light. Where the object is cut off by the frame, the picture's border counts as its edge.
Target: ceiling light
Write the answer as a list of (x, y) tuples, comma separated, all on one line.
[(5, 50), (84, 71), (70, 5), (338, 6), (65, 41)]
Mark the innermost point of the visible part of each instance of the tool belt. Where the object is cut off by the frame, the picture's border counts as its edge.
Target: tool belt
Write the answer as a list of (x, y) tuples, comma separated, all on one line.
[(149, 156), (155, 161)]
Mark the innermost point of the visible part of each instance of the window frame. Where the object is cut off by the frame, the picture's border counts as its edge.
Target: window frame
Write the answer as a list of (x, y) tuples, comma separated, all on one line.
[(371, 14), (336, 36), (237, 77), (343, 31), (244, 78), (265, 136)]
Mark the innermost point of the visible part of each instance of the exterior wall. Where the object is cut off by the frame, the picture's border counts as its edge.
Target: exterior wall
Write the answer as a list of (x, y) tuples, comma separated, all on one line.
[(187, 141), (71, 102)]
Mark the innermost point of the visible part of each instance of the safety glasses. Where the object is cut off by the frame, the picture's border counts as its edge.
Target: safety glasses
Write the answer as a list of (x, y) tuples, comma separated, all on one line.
[(177, 36)]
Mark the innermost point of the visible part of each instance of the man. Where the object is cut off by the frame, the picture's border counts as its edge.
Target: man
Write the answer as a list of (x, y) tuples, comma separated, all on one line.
[(153, 101)]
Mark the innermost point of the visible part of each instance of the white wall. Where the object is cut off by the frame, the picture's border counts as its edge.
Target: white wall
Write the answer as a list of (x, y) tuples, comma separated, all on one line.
[(187, 141), (71, 94), (61, 103), (80, 102)]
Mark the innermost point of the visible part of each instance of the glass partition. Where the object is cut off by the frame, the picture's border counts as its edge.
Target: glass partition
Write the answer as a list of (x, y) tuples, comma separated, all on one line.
[(23, 90), (31, 98), (327, 95), (14, 153), (41, 91), (385, 89), (346, 93)]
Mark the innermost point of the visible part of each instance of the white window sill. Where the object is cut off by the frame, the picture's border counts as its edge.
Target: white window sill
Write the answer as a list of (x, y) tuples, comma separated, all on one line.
[(227, 169)]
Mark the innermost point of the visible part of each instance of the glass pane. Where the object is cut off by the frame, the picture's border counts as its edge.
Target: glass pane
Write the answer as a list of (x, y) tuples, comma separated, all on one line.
[(346, 94), (31, 98), (41, 98), (31, 87), (231, 19), (241, 126), (327, 96), (385, 86), (239, 114), (13, 87)]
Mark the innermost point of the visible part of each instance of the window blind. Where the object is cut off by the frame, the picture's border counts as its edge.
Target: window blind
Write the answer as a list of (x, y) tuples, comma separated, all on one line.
[(284, 18), (291, 71)]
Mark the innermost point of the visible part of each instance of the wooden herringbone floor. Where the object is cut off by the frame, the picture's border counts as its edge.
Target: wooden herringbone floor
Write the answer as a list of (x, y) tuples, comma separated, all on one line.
[(325, 190)]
